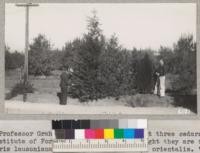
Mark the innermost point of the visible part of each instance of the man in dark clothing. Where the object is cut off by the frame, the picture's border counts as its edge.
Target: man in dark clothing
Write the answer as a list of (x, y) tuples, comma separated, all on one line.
[(65, 81)]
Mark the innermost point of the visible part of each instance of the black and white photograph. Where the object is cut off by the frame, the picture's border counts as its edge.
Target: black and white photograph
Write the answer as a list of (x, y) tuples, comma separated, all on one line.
[(101, 58)]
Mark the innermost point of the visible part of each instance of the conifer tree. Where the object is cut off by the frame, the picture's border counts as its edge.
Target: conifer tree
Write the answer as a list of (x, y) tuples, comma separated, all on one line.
[(86, 71), (144, 74)]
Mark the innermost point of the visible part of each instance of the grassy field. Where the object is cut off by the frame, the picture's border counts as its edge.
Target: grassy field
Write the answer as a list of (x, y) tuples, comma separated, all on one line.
[(42, 85)]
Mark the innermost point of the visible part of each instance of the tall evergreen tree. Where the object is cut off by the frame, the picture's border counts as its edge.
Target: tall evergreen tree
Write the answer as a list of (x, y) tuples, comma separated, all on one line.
[(144, 74), (87, 63), (185, 65)]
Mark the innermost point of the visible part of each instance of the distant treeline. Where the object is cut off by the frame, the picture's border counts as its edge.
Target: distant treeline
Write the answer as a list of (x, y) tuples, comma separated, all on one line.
[(103, 68)]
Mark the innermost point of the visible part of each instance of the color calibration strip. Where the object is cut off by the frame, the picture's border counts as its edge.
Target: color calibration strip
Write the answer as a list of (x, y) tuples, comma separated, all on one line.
[(99, 135)]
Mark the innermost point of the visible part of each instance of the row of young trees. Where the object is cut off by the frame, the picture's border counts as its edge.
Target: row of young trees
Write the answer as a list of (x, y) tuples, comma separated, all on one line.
[(13, 60), (103, 68)]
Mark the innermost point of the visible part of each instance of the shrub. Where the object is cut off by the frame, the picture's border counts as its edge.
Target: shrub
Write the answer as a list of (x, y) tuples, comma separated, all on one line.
[(21, 88), (148, 100)]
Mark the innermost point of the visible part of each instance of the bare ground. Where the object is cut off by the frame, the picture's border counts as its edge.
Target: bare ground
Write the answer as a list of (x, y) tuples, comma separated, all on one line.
[(48, 104)]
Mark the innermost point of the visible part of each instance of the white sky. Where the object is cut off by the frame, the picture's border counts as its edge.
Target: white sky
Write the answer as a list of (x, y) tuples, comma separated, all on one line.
[(136, 25)]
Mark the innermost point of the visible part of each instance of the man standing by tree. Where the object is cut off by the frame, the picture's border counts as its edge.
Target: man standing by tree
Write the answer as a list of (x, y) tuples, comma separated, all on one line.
[(65, 81), (160, 84)]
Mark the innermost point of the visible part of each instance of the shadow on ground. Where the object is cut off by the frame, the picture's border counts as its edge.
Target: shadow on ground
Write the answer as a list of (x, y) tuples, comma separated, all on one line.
[(186, 101)]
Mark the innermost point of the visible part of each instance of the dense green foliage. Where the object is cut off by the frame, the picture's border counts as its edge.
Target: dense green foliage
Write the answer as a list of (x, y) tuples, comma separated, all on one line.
[(115, 72), (144, 74), (40, 56), (86, 80)]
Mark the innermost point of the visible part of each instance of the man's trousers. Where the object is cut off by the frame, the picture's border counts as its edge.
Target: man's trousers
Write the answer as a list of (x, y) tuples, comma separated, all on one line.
[(160, 87)]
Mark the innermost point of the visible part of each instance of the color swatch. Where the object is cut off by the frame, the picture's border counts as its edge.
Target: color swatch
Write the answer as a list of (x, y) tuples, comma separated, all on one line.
[(99, 129), (108, 133)]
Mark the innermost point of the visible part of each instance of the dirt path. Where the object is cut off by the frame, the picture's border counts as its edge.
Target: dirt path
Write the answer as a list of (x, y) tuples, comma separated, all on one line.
[(40, 103), (18, 107)]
